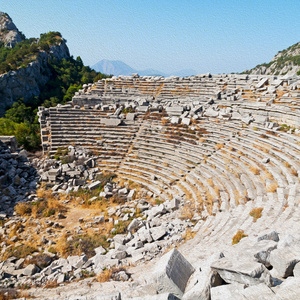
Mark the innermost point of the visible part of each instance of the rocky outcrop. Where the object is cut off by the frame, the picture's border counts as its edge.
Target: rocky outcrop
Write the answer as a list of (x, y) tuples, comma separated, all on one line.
[(9, 33), (27, 82), (284, 62)]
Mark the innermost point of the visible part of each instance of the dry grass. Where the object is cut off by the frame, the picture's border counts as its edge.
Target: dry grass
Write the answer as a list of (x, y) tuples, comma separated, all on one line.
[(287, 164), (294, 172), (187, 213), (256, 213), (255, 170), (188, 234), (238, 236), (210, 182), (236, 196), (219, 146), (272, 188), (269, 175), (104, 276)]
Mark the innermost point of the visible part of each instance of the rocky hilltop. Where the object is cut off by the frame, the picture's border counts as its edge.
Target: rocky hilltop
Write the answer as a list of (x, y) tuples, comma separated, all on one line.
[(9, 33), (26, 81), (284, 62)]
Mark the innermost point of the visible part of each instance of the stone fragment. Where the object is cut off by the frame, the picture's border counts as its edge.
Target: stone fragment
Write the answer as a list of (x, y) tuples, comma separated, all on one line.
[(284, 260), (133, 225), (30, 270), (94, 185), (296, 271), (269, 236), (172, 273), (245, 272), (158, 232)]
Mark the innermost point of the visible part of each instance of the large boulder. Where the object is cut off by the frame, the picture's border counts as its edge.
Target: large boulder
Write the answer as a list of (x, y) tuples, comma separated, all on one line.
[(172, 273)]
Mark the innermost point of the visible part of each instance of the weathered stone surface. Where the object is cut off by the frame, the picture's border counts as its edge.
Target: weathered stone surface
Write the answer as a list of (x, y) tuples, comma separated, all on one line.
[(284, 260), (296, 271), (172, 273), (30, 270), (289, 289), (245, 272), (269, 236)]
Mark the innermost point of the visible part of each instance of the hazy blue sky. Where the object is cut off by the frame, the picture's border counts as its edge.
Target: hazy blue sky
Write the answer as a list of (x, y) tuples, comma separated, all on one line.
[(217, 36)]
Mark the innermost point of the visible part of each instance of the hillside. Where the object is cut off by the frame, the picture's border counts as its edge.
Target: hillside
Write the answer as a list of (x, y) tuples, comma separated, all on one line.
[(284, 62), (33, 72)]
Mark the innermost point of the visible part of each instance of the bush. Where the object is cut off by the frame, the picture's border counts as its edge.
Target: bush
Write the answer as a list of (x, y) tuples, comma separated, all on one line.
[(21, 251), (83, 243), (238, 236)]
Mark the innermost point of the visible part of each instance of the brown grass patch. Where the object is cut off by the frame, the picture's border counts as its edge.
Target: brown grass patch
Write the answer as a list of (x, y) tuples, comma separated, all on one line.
[(189, 234), (219, 146), (104, 276), (256, 213), (272, 188), (238, 236), (255, 170)]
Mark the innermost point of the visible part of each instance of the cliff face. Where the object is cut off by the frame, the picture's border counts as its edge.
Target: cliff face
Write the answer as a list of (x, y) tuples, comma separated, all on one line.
[(26, 82), (9, 33), (284, 62)]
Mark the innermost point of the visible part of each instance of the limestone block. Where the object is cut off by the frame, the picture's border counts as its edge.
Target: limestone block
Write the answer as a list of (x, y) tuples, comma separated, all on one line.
[(133, 225), (158, 232), (284, 260), (210, 112), (174, 120), (296, 271), (289, 289), (245, 272), (273, 236), (228, 291), (165, 296), (30, 270), (172, 273), (186, 121), (94, 185)]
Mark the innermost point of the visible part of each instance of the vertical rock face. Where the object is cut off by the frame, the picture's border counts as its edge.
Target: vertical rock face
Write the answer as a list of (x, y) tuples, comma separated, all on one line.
[(25, 82), (9, 33)]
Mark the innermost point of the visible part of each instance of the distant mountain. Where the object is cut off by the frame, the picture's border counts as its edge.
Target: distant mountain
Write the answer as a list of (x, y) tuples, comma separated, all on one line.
[(117, 67), (284, 62)]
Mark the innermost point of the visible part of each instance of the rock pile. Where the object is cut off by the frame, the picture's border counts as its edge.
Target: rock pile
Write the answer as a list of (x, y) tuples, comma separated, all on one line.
[(157, 229), (17, 178)]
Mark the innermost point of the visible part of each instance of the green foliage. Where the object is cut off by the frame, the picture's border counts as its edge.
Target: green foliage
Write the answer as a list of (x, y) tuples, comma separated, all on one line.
[(21, 251), (27, 135), (86, 244), (285, 128), (121, 227), (67, 77)]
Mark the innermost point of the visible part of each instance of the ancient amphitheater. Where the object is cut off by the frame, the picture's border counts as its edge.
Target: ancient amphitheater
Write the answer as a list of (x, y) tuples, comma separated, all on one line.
[(221, 144)]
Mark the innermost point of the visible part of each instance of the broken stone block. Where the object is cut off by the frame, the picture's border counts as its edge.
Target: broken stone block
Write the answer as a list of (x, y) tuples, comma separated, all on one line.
[(30, 270), (94, 185), (133, 225), (172, 273), (284, 260), (158, 232), (245, 272), (269, 236)]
